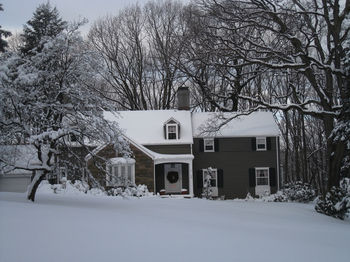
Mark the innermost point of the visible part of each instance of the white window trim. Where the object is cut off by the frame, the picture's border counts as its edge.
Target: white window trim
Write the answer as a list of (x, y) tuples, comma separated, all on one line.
[(214, 170), (206, 140), (261, 149), (176, 130), (111, 166), (268, 175)]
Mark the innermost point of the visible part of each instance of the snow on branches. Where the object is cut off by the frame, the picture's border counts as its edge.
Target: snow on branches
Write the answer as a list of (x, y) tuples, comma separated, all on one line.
[(46, 97)]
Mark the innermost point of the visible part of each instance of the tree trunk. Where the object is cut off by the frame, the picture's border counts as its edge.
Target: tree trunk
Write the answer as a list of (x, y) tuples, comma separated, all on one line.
[(39, 176), (335, 152)]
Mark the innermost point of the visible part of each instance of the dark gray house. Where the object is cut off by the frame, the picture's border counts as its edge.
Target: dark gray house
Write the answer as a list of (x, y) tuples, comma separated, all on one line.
[(173, 152)]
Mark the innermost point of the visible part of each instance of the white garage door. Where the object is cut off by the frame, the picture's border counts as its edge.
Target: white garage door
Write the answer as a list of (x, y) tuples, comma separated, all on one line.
[(14, 184)]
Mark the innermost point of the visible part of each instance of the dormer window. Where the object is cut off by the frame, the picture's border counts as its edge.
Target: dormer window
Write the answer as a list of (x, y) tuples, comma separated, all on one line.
[(172, 130)]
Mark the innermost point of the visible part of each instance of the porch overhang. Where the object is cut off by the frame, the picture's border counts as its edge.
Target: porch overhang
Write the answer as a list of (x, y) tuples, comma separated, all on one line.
[(185, 158), (167, 158)]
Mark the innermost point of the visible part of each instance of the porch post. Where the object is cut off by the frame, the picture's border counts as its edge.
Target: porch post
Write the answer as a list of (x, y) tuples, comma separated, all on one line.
[(190, 176)]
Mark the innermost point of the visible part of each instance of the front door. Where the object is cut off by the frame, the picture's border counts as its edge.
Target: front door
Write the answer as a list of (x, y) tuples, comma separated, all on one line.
[(210, 180), (173, 178), (262, 187)]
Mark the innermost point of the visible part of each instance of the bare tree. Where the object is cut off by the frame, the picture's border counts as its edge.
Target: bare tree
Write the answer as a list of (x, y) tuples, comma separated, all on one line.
[(297, 38), (139, 51)]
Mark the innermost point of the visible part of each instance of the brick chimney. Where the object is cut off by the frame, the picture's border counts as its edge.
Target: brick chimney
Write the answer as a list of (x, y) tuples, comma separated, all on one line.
[(183, 98)]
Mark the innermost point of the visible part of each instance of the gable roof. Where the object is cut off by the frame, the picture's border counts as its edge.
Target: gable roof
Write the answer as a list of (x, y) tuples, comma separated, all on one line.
[(258, 123), (147, 127)]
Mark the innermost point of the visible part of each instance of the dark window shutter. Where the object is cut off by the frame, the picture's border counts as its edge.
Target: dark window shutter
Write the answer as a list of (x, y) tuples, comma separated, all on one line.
[(252, 177), (178, 131), (201, 145), (273, 178), (216, 144), (199, 178), (254, 144), (159, 177), (268, 143), (220, 178), (185, 180), (165, 132)]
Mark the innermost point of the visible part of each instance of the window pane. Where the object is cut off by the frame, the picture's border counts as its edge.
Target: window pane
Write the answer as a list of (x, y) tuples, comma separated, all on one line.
[(209, 148), (172, 129), (123, 171), (262, 177), (261, 146), (260, 140), (262, 181), (172, 136), (129, 173), (115, 171)]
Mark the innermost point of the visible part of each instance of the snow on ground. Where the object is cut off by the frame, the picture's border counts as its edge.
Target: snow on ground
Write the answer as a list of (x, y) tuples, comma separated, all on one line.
[(99, 228)]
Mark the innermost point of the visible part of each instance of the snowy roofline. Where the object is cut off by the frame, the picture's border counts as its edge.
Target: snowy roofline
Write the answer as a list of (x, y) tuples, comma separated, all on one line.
[(156, 157), (145, 127)]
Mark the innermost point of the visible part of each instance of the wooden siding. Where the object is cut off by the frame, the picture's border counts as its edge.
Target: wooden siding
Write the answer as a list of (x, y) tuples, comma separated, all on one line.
[(235, 157), (170, 149)]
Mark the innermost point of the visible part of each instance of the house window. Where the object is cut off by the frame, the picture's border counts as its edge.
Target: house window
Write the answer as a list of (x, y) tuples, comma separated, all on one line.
[(172, 131), (120, 172), (262, 176), (209, 145), (210, 176), (261, 143)]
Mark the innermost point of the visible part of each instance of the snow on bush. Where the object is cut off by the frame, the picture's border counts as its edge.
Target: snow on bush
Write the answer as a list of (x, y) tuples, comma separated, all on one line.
[(298, 192), (295, 192), (336, 203), (81, 187), (138, 191)]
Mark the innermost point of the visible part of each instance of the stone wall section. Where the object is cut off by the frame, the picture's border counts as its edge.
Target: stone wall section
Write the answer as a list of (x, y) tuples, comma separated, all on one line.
[(144, 168)]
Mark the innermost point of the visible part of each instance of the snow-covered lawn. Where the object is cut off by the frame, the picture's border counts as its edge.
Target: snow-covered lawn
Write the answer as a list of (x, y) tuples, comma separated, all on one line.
[(95, 228)]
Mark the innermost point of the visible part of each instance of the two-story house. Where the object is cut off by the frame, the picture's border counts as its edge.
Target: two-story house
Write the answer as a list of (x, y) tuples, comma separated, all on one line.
[(172, 153)]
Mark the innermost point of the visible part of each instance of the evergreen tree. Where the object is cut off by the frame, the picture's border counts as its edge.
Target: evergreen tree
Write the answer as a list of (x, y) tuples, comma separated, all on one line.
[(46, 22), (45, 100), (3, 43)]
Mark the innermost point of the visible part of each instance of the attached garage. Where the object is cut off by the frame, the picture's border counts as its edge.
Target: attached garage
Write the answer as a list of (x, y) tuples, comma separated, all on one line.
[(14, 182), (14, 173)]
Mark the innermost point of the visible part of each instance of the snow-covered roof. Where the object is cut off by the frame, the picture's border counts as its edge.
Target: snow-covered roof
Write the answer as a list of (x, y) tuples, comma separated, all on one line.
[(121, 160), (147, 127), (156, 157), (255, 124)]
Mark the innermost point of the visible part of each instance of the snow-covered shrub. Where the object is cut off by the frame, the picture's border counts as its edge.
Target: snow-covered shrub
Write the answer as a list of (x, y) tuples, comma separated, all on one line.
[(279, 196), (138, 191), (336, 203), (96, 192), (81, 186), (45, 187), (298, 192), (207, 188), (249, 197), (295, 192)]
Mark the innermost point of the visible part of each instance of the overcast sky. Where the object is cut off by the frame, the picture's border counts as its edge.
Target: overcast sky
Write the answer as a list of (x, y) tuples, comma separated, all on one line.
[(17, 12)]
